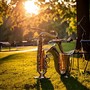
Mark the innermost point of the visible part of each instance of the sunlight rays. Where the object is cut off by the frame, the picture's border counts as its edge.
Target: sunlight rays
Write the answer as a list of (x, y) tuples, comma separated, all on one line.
[(31, 7)]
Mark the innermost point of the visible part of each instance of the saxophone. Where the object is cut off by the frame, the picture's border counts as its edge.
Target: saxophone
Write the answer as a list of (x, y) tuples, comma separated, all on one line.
[(41, 57)]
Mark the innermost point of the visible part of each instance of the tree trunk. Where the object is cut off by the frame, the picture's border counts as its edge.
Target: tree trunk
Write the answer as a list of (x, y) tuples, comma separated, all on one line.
[(83, 31)]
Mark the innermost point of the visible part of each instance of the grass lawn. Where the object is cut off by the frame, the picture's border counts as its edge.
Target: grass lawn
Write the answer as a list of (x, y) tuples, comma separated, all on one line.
[(18, 69)]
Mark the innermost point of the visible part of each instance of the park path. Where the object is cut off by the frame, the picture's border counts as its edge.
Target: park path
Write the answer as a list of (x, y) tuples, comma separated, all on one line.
[(2, 54), (20, 51), (29, 50), (33, 49)]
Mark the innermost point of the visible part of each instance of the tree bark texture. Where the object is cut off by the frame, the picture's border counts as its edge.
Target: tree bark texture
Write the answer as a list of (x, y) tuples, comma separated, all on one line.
[(83, 24)]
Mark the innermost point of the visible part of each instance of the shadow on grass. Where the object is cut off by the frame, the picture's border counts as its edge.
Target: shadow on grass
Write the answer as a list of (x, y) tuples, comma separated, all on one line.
[(8, 58), (42, 84), (45, 84), (73, 84)]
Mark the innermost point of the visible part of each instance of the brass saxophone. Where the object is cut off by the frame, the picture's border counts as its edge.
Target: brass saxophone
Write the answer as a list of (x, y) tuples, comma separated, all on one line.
[(61, 59), (41, 57)]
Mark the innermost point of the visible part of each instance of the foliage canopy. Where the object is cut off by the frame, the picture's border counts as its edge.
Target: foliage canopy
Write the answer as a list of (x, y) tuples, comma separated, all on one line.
[(58, 15)]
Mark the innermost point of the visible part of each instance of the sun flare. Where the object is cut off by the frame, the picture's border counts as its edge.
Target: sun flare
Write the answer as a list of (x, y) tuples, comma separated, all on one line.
[(31, 7)]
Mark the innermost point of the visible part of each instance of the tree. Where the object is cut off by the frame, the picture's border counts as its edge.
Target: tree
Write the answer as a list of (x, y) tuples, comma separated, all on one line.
[(54, 15), (67, 12), (62, 13), (11, 16), (83, 27)]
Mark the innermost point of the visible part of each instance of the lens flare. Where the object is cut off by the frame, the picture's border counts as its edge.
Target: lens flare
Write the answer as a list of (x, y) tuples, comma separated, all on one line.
[(31, 7)]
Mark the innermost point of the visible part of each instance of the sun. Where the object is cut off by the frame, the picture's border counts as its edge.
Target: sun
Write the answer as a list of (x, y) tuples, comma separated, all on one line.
[(31, 7)]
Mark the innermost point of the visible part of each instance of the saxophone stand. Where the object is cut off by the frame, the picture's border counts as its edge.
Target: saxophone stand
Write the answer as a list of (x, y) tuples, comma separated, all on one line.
[(41, 76)]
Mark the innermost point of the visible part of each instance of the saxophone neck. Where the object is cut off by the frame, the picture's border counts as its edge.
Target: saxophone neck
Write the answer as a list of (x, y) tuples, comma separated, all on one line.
[(42, 34)]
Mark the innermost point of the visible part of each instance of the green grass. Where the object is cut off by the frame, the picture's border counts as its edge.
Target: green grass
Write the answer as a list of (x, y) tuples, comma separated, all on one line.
[(17, 72), (68, 46)]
